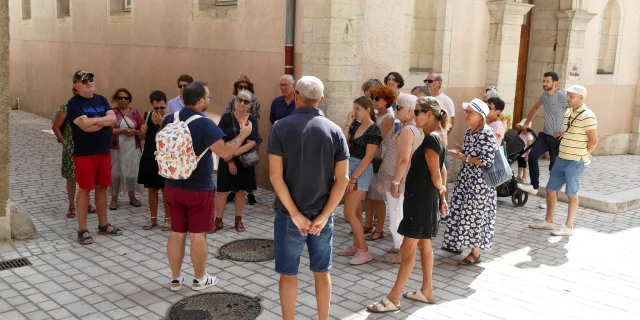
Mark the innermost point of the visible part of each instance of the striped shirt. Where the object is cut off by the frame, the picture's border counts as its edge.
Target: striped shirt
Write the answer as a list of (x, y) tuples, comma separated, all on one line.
[(554, 108), (573, 145)]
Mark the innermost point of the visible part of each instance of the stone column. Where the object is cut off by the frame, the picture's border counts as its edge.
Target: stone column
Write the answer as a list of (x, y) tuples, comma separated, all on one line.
[(506, 18), (572, 25), (5, 227), (634, 140)]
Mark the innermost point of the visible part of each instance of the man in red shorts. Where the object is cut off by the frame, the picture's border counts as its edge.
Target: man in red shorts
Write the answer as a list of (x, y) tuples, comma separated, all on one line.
[(190, 200), (91, 119)]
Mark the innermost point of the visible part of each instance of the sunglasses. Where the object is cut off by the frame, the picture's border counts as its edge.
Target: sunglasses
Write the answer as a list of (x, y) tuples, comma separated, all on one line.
[(418, 111), (123, 98), (375, 98), (85, 81), (247, 102), (182, 86), (428, 81), (243, 87), (159, 108)]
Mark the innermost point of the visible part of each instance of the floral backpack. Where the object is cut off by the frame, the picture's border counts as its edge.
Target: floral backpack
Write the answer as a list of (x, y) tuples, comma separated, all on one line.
[(175, 155)]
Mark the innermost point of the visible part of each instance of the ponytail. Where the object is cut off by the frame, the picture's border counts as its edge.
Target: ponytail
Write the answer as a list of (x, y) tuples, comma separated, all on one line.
[(445, 121), (367, 104)]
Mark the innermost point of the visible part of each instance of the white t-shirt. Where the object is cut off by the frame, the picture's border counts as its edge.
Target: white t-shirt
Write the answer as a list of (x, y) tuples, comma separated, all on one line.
[(447, 104)]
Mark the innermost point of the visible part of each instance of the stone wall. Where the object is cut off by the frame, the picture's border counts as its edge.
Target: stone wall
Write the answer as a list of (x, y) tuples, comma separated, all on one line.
[(5, 226)]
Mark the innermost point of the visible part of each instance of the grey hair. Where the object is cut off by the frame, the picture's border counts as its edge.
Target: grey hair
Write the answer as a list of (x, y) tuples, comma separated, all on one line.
[(491, 92), (422, 89), (310, 89), (408, 101), (245, 93), (288, 77)]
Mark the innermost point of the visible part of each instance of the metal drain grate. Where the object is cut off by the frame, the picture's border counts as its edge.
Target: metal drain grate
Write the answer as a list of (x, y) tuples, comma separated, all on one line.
[(15, 263), (248, 250), (216, 305)]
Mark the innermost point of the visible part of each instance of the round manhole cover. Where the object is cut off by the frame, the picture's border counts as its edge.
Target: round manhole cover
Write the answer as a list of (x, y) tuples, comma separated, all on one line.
[(248, 250), (216, 306)]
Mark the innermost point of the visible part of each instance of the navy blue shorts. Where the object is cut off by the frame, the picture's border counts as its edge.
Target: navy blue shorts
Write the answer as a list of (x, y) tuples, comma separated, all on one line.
[(289, 244)]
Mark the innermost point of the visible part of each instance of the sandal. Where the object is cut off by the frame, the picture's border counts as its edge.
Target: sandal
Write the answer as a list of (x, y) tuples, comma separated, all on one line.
[(385, 305), (92, 209), (366, 230), (418, 296), (150, 225), (375, 236), (71, 213), (468, 262), (395, 259), (392, 250), (135, 202), (166, 226), (84, 240), (239, 226), (105, 230), (113, 206)]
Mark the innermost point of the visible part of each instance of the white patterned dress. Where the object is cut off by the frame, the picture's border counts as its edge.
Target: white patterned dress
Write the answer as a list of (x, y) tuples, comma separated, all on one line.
[(473, 202)]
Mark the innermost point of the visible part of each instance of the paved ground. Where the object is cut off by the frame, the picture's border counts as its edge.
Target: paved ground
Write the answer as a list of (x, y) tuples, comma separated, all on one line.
[(527, 275)]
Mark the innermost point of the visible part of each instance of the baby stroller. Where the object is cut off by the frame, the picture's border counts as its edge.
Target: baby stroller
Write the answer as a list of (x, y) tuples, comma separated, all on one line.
[(515, 148)]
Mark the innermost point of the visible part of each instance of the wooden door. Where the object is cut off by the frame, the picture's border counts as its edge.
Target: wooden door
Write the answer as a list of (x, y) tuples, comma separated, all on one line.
[(521, 80)]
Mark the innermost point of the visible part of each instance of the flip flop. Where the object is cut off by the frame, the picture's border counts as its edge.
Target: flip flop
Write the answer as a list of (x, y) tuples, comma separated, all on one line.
[(418, 296)]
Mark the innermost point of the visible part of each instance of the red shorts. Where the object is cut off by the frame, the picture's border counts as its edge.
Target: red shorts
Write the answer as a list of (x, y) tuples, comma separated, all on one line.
[(93, 170), (191, 211)]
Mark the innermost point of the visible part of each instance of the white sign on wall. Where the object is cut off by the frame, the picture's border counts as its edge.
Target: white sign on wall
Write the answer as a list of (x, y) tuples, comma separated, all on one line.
[(574, 71)]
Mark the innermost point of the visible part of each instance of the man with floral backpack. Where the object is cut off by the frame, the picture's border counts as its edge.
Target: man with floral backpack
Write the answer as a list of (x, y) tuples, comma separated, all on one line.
[(183, 142)]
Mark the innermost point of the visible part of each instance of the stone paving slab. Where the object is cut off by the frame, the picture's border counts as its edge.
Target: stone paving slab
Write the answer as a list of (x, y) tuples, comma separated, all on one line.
[(609, 184), (527, 275)]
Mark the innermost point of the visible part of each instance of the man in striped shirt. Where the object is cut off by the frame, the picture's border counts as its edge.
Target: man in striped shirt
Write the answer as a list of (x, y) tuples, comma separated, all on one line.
[(579, 138)]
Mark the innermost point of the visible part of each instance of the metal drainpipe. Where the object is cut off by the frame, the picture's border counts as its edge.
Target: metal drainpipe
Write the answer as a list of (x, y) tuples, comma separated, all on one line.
[(289, 36)]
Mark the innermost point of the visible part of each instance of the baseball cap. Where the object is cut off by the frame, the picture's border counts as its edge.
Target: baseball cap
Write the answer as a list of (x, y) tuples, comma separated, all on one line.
[(81, 75), (478, 106), (577, 89)]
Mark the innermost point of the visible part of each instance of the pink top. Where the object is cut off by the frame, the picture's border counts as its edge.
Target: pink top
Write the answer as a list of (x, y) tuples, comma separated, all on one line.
[(498, 130), (134, 121), (389, 162), (526, 137)]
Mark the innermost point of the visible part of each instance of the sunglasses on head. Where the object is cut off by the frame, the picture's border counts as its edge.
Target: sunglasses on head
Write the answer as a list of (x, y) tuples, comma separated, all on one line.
[(247, 102), (87, 80), (182, 86), (123, 98), (241, 87), (159, 108), (418, 111), (428, 81)]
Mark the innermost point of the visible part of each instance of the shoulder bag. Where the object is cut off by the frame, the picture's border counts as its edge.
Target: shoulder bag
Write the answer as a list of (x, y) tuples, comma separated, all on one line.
[(250, 158)]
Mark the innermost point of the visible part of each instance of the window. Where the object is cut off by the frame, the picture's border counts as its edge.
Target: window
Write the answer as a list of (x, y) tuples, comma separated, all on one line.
[(127, 5), (204, 10), (63, 8), (226, 2), (26, 9), (120, 11), (609, 34)]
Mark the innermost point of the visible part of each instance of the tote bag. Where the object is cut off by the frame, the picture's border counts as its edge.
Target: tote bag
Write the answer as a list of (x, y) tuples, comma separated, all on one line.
[(500, 171)]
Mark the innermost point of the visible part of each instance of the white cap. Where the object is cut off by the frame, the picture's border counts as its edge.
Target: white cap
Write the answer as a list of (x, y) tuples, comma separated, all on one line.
[(478, 106), (577, 89)]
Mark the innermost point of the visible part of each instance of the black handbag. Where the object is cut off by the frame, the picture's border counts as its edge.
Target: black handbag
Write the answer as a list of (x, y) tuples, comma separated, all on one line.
[(250, 158)]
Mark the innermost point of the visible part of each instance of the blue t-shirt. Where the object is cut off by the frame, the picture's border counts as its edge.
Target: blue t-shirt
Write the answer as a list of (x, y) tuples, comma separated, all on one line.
[(204, 133), (280, 109), (89, 143)]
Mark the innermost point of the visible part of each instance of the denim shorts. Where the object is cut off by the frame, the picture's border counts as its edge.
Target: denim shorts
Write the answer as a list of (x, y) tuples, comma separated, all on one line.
[(366, 178), (289, 243), (566, 172)]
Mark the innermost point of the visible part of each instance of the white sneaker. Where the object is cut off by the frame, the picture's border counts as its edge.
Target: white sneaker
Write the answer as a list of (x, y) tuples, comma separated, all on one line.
[(543, 224), (528, 188), (542, 205), (563, 232), (206, 282), (176, 284)]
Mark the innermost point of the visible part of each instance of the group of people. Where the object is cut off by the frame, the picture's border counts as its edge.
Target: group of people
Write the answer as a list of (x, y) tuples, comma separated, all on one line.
[(391, 152)]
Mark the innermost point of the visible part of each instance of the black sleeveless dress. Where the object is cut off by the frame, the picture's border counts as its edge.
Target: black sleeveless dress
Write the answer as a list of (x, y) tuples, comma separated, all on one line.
[(421, 207), (148, 172)]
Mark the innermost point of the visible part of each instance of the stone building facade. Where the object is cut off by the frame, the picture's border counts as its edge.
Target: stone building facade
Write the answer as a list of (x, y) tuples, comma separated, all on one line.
[(145, 45)]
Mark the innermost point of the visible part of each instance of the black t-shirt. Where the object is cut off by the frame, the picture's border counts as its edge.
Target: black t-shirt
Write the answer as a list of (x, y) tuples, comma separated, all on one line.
[(358, 147), (89, 143)]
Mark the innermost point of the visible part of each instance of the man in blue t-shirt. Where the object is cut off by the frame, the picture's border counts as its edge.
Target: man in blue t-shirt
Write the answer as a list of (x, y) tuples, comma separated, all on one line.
[(190, 201), (91, 118)]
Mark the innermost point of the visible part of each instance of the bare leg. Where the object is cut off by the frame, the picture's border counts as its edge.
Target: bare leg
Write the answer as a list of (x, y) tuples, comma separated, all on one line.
[(71, 193), (239, 202), (552, 200), (381, 211), (368, 212), (153, 204), (83, 207), (101, 205), (408, 251), (573, 209), (199, 250), (355, 219), (426, 257), (323, 294), (221, 201), (115, 186), (132, 196), (288, 290), (175, 252)]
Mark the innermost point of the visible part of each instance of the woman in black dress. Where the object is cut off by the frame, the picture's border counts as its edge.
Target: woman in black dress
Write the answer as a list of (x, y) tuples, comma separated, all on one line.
[(232, 176), (424, 202), (148, 172)]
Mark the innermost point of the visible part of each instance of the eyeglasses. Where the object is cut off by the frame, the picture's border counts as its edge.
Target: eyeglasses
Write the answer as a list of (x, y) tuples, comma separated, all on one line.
[(398, 108), (418, 111), (284, 85), (428, 80), (123, 98), (469, 112), (243, 87), (85, 81), (182, 86), (247, 102), (159, 108)]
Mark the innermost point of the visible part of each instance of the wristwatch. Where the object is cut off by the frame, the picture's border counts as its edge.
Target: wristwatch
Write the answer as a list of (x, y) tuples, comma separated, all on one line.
[(466, 160), (395, 183)]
